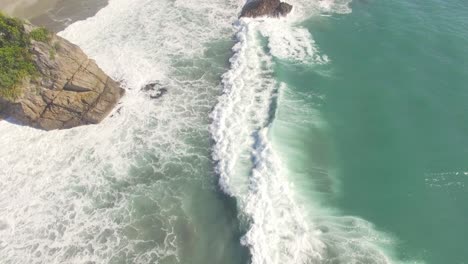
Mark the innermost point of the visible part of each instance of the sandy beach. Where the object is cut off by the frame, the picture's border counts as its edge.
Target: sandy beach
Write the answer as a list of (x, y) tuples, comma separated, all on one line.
[(27, 9), (56, 15)]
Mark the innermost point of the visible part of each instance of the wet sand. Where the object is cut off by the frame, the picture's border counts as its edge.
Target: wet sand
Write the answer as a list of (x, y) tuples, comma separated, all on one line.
[(56, 15), (26, 9)]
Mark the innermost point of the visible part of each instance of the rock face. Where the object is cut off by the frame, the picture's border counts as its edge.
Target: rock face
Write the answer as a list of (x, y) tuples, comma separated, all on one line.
[(71, 90), (270, 8)]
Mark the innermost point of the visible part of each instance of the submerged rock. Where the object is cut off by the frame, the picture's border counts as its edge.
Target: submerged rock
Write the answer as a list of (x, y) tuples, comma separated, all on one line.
[(68, 90), (155, 90), (270, 8)]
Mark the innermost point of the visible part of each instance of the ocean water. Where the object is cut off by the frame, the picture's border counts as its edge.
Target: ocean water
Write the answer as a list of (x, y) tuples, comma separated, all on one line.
[(333, 136), (395, 111)]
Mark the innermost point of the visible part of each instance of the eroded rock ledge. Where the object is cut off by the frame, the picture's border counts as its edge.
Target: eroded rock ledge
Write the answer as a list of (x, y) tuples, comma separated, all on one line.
[(270, 8), (70, 89)]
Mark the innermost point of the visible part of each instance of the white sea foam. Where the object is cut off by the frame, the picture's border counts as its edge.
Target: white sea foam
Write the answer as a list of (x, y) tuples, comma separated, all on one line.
[(242, 109), (283, 227), (450, 180), (107, 193), (289, 42), (279, 232), (335, 6), (247, 164), (305, 9)]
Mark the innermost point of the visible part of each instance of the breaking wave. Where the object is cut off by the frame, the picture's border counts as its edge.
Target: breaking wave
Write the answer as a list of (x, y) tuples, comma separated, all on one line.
[(283, 227)]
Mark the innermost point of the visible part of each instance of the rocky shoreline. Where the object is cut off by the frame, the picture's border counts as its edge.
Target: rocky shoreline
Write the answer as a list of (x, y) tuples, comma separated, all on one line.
[(68, 90)]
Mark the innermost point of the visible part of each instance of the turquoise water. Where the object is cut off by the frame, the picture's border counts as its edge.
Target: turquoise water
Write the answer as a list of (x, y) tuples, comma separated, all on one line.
[(330, 137), (394, 140)]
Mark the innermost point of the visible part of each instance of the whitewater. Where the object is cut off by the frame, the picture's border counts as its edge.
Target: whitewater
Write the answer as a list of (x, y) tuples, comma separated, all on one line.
[(153, 181)]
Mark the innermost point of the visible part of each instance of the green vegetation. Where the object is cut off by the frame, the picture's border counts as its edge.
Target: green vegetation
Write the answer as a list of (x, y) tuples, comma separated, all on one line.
[(15, 58), (52, 53), (40, 34), (53, 50), (15, 64)]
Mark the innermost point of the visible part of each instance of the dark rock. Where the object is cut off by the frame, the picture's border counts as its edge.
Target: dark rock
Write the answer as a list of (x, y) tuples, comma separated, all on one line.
[(151, 86), (284, 9), (270, 8), (159, 93), (155, 90)]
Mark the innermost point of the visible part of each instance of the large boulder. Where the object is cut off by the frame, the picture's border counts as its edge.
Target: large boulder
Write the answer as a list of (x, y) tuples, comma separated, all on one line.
[(70, 89), (269, 8)]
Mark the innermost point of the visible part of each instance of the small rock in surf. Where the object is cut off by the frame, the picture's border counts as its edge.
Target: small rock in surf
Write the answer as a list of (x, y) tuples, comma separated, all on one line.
[(269, 8)]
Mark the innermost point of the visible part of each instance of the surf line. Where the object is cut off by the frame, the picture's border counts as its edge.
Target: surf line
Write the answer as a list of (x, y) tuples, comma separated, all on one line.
[(248, 167)]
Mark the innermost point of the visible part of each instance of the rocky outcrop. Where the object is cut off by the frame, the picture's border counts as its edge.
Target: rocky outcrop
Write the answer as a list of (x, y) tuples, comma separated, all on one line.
[(270, 8), (70, 89)]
